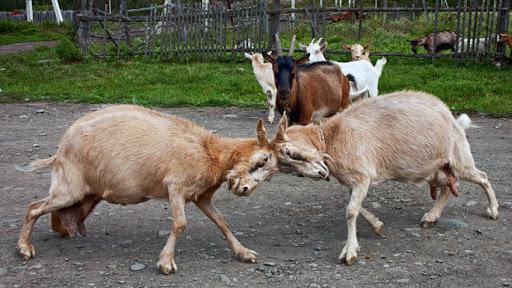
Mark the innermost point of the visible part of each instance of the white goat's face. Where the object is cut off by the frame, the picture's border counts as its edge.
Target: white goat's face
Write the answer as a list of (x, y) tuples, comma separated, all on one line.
[(357, 51), (255, 57), (255, 165), (296, 152), (315, 49)]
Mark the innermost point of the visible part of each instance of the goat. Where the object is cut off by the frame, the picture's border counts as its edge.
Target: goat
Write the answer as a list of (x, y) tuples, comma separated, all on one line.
[(365, 74), (307, 88), (341, 16), (444, 40), (265, 77), (129, 154), (358, 51), (505, 38), (377, 140), (479, 44)]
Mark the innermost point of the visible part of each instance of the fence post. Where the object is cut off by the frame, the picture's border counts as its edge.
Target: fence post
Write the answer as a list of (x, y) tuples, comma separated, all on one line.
[(123, 7), (83, 27), (274, 23), (502, 27)]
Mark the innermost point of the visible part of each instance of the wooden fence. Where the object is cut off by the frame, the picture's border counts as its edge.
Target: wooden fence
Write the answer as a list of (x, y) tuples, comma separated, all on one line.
[(195, 30), (39, 16)]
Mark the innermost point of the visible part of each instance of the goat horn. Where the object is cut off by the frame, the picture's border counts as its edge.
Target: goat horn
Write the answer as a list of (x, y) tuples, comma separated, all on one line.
[(312, 41), (320, 40), (292, 46), (279, 50)]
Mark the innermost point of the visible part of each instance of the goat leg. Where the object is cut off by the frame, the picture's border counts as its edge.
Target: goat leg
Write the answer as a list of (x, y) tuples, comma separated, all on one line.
[(451, 180)]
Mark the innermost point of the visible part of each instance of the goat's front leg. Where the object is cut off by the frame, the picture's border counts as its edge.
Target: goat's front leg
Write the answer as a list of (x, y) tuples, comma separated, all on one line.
[(205, 204), (349, 252), (166, 262), (375, 223), (271, 100)]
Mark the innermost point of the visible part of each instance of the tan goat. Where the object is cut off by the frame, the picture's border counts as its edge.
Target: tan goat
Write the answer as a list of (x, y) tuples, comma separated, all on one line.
[(128, 155), (377, 140), (358, 51)]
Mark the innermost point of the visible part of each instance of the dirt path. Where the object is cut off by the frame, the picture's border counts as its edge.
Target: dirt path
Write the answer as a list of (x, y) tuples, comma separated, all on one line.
[(26, 46), (296, 225)]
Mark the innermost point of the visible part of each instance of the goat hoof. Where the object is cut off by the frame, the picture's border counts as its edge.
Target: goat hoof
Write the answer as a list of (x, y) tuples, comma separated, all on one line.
[(167, 267), (28, 251), (427, 221), (493, 213), (378, 230), (247, 255), (348, 255)]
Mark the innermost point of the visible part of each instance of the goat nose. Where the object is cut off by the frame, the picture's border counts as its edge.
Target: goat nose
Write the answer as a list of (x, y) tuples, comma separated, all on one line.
[(246, 189), (322, 173)]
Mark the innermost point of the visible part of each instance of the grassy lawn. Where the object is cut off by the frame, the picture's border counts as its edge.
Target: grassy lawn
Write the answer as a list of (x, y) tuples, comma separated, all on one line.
[(465, 87), (16, 32)]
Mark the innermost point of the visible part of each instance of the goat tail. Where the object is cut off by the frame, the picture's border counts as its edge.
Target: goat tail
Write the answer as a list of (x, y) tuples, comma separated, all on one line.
[(352, 79), (380, 64), (38, 164), (465, 122)]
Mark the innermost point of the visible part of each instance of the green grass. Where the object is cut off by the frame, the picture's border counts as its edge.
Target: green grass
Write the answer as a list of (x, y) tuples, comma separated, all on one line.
[(16, 32), (466, 87)]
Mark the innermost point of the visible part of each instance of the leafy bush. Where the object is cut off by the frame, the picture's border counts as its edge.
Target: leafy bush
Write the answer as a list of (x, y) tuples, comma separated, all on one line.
[(68, 52), (9, 26)]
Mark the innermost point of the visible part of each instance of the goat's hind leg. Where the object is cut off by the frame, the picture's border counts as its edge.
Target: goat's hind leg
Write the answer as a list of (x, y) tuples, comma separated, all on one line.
[(430, 218), (476, 176)]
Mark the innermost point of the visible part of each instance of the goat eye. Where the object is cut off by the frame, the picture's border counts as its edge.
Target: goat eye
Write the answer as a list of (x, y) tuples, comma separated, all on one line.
[(265, 158), (288, 153)]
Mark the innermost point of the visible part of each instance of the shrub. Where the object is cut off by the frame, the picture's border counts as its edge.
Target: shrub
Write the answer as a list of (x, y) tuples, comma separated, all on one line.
[(68, 52)]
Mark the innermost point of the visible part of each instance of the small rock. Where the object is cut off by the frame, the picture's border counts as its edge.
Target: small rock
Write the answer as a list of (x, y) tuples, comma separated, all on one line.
[(471, 203), (40, 111), (163, 233), (44, 61), (224, 278), (273, 270), (439, 261), (451, 224), (403, 280), (121, 281), (24, 116), (478, 231), (112, 266), (137, 266), (126, 243), (288, 203), (36, 267), (237, 233), (230, 116), (272, 264), (35, 145), (78, 263), (251, 270), (3, 271), (376, 205)]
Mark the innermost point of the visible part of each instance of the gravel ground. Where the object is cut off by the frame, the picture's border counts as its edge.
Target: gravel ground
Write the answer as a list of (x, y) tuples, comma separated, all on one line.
[(297, 225)]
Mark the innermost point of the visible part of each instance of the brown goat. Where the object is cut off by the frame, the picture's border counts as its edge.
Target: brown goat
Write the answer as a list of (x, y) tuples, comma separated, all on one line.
[(444, 40), (128, 154), (303, 89), (377, 140), (506, 38)]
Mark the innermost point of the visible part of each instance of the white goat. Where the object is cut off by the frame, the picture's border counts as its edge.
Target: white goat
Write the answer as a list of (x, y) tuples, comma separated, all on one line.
[(265, 76), (405, 136), (479, 43), (365, 74)]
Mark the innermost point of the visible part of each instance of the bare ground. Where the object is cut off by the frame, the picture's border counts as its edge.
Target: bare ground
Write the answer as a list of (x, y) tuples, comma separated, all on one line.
[(297, 225), (25, 46)]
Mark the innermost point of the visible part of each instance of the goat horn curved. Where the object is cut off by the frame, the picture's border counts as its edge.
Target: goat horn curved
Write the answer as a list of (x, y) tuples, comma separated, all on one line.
[(312, 41), (292, 46), (279, 49)]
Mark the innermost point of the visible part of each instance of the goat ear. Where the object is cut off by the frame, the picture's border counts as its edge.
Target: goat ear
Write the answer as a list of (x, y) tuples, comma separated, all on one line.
[(281, 129), (303, 47), (247, 55), (346, 47), (270, 56), (302, 60), (262, 134), (323, 46), (367, 46)]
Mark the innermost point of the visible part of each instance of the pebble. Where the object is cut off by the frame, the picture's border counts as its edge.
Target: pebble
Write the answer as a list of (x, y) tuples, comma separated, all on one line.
[(40, 111), (403, 280), (272, 264), (230, 116), (471, 203), (24, 116), (137, 266), (36, 267), (224, 278), (251, 270), (237, 233), (3, 271), (451, 224), (376, 205), (112, 266), (163, 233)]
